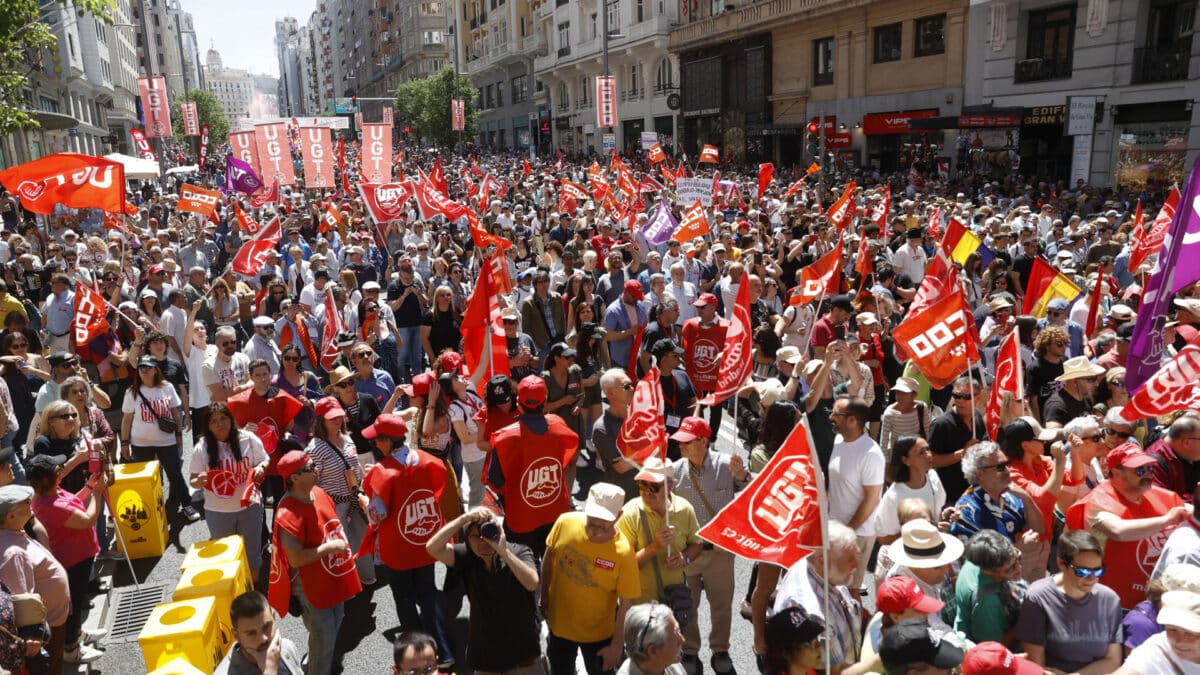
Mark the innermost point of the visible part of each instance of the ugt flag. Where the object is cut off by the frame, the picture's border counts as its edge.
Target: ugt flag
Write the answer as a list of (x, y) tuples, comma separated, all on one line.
[(240, 176)]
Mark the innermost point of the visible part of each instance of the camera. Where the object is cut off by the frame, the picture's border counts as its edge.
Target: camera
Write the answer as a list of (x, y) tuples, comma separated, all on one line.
[(490, 530)]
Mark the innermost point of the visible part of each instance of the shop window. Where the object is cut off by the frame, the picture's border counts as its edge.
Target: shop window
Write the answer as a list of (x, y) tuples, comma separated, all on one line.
[(823, 61), (887, 43), (931, 36), (1048, 45)]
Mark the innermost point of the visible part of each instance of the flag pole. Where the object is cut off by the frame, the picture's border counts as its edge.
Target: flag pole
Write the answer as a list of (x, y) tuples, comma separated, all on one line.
[(821, 502)]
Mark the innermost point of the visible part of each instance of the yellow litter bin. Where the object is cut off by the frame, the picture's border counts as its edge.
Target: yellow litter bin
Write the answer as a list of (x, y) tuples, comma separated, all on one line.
[(186, 629), (177, 666), (225, 549), (222, 581), (136, 496)]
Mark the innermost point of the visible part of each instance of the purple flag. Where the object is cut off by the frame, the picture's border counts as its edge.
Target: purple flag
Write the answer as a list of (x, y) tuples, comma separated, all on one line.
[(239, 176), (1178, 266), (659, 229)]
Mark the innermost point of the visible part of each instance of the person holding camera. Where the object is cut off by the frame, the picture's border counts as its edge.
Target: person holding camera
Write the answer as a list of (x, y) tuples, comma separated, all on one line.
[(501, 579)]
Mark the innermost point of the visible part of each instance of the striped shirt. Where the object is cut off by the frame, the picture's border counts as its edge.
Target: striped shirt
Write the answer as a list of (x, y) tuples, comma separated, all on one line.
[(895, 424), (331, 465)]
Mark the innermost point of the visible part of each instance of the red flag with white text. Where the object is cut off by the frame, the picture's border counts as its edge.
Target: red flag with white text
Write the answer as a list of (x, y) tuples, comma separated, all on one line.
[(710, 154), (1176, 386), (70, 179), (1009, 378), (941, 339), (693, 224), (142, 144), (315, 149), (265, 196), (823, 277), (1152, 240), (330, 219), (842, 211), (735, 358), (485, 347), (437, 176), (386, 201), (245, 223), (879, 214), (274, 153), (88, 322), (252, 256), (643, 432), (655, 154)]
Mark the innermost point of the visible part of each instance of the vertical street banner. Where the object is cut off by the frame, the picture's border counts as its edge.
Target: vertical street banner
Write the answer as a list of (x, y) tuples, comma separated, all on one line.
[(274, 155), (318, 158), (458, 115), (242, 144), (606, 101), (191, 119), (203, 143), (389, 117), (142, 144), (156, 115), (377, 152)]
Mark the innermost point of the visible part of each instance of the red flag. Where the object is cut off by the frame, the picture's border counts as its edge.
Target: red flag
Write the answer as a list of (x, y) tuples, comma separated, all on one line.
[(89, 315), (735, 359), (197, 200), (655, 154), (667, 172), (485, 349), (777, 518), (812, 168), (333, 326), (498, 263), (842, 211), (274, 153), (631, 368), (330, 219), (940, 340), (1152, 240), (823, 277), (204, 130), (883, 207), (648, 184), (1174, 387), (940, 280), (573, 190), (795, 187), (525, 168), (252, 256), (115, 221), (481, 237), (314, 148), (143, 145), (693, 224), (476, 170), (70, 179), (376, 155), (245, 223), (935, 223), (1009, 378), (710, 154), (432, 202), (864, 264), (1089, 328), (265, 196), (438, 177), (766, 171), (643, 432), (386, 201), (625, 182)]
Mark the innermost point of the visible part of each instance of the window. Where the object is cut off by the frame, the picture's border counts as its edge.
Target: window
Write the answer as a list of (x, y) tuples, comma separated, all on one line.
[(520, 89), (1048, 45), (488, 98), (585, 91), (614, 15), (639, 10), (154, 18), (931, 35), (564, 98), (564, 38), (662, 75), (500, 94), (718, 6), (635, 80), (157, 39), (595, 24), (823, 61), (887, 43)]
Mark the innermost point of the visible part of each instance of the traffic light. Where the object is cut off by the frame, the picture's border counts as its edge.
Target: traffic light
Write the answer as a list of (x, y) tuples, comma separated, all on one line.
[(813, 140)]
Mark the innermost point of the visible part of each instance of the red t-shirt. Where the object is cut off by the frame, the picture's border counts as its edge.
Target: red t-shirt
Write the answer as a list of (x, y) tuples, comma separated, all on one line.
[(69, 545)]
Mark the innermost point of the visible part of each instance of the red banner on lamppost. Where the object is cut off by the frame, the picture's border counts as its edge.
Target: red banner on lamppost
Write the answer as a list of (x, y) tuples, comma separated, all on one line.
[(606, 101), (191, 119), (458, 115), (154, 106)]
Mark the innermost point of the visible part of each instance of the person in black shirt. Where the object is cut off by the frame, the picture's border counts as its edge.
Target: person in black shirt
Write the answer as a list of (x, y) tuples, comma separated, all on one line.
[(1074, 396), (666, 313), (406, 297), (1041, 381), (679, 396), (501, 579), (952, 432), (522, 352)]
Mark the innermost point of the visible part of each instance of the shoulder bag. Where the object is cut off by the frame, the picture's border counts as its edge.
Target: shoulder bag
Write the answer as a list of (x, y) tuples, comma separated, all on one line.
[(676, 596), (167, 425)]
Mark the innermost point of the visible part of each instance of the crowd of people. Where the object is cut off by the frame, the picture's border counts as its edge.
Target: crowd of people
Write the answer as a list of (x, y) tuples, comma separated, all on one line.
[(1067, 543)]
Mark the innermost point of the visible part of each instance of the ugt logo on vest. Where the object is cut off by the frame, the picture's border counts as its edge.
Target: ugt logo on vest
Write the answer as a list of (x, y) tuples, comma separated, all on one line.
[(541, 483), (704, 355), (339, 564), (419, 518)]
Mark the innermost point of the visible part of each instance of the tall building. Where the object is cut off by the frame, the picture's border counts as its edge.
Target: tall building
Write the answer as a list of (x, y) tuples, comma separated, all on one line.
[(287, 49), (422, 36), (123, 115), (233, 87), (157, 43), (310, 94), (636, 49)]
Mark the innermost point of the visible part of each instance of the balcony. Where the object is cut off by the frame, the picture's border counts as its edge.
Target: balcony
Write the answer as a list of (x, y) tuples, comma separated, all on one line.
[(1164, 63), (1040, 70), (534, 44), (751, 18), (564, 51)]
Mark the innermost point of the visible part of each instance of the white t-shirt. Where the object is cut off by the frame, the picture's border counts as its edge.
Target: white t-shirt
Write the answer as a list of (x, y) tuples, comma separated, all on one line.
[(852, 466), (224, 490), (144, 430), (175, 324), (464, 411), (198, 396), (230, 373), (886, 519), (1155, 657)]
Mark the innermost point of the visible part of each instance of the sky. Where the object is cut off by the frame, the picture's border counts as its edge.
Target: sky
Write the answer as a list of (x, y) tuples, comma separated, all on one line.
[(244, 30)]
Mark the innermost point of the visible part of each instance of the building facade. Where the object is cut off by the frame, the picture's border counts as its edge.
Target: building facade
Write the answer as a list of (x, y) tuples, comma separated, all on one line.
[(233, 87), (157, 47), (287, 51)]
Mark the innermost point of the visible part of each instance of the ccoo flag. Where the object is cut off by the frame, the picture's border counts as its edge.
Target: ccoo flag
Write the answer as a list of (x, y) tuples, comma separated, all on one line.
[(1178, 265)]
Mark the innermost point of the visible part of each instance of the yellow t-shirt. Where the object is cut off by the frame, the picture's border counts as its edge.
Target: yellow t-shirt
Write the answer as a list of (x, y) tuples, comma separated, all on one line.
[(11, 304), (681, 516), (587, 580)]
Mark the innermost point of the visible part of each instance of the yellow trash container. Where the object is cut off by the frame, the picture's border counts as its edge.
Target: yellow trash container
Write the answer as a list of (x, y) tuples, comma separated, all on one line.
[(222, 581), (177, 666), (136, 497), (186, 629), (225, 549)]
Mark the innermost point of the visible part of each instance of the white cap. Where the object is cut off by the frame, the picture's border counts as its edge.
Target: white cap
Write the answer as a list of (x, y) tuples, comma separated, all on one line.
[(604, 502)]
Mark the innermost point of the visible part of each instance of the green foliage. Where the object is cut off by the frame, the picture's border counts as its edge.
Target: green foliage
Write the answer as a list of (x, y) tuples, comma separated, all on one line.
[(23, 39), (424, 105), (209, 111)]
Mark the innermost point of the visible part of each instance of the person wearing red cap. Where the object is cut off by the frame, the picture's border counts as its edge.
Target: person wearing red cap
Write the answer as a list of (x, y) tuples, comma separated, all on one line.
[(1131, 517), (899, 599), (404, 490), (703, 342), (623, 319), (533, 468), (311, 559), (993, 658)]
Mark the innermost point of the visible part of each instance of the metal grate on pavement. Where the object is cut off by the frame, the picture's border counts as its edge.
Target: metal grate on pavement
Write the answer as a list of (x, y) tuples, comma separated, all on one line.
[(130, 607)]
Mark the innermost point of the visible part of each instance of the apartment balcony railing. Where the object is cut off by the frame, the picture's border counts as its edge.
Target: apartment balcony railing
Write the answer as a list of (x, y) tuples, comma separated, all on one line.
[(751, 18), (1042, 69), (564, 51), (1166, 63)]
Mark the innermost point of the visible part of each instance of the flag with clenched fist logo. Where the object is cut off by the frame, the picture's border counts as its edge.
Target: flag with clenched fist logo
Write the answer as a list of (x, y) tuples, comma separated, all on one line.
[(643, 432)]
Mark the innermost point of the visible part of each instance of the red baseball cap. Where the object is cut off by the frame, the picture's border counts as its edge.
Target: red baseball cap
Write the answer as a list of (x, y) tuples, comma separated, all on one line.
[(992, 658), (291, 462), (900, 593), (420, 385), (531, 392), (692, 428), (155, 268), (634, 288), (1128, 455), (705, 300), (450, 362), (329, 408), (392, 426)]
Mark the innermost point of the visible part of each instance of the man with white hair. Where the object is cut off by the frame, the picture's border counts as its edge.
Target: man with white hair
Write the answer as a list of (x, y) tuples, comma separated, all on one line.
[(683, 291), (652, 640)]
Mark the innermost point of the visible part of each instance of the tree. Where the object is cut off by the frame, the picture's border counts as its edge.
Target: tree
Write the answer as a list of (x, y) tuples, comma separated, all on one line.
[(424, 105), (23, 39), (208, 110)]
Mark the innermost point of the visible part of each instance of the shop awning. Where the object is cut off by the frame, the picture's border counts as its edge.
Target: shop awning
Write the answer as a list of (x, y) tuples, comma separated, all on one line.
[(894, 122)]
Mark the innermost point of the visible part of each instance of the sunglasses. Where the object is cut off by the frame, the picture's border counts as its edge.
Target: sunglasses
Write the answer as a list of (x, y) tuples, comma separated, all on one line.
[(363, 355), (343, 384), (652, 488), (1086, 572), (509, 320), (67, 416), (960, 396), (1000, 466), (1095, 438), (628, 386), (295, 359), (1118, 383), (1119, 434), (1060, 344), (1141, 471)]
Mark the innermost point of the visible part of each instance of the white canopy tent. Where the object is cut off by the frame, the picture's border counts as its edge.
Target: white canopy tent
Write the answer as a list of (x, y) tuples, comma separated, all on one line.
[(136, 168), (190, 168)]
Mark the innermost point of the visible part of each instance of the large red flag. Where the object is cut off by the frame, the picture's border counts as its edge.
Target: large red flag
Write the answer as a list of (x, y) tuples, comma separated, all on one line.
[(820, 278), (1152, 240), (386, 201), (766, 171), (481, 237), (864, 263), (643, 432), (197, 200), (318, 165), (265, 196), (437, 176), (693, 224), (252, 256), (485, 349), (940, 280), (432, 202), (245, 223), (1176, 386), (1009, 378), (376, 152), (274, 153), (89, 315), (842, 211), (735, 359), (940, 340), (70, 179), (333, 326), (1094, 305), (777, 518), (883, 207)]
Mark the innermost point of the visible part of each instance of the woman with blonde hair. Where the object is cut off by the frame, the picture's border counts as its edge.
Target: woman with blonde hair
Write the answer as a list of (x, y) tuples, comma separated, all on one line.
[(441, 325)]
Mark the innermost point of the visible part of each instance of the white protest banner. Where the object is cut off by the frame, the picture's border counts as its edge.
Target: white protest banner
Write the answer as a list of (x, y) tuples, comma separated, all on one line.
[(691, 190)]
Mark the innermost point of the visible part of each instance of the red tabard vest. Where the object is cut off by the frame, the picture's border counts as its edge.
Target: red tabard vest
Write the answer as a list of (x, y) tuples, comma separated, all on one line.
[(1128, 563), (276, 413), (533, 466), (411, 495), (702, 349), (328, 581)]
